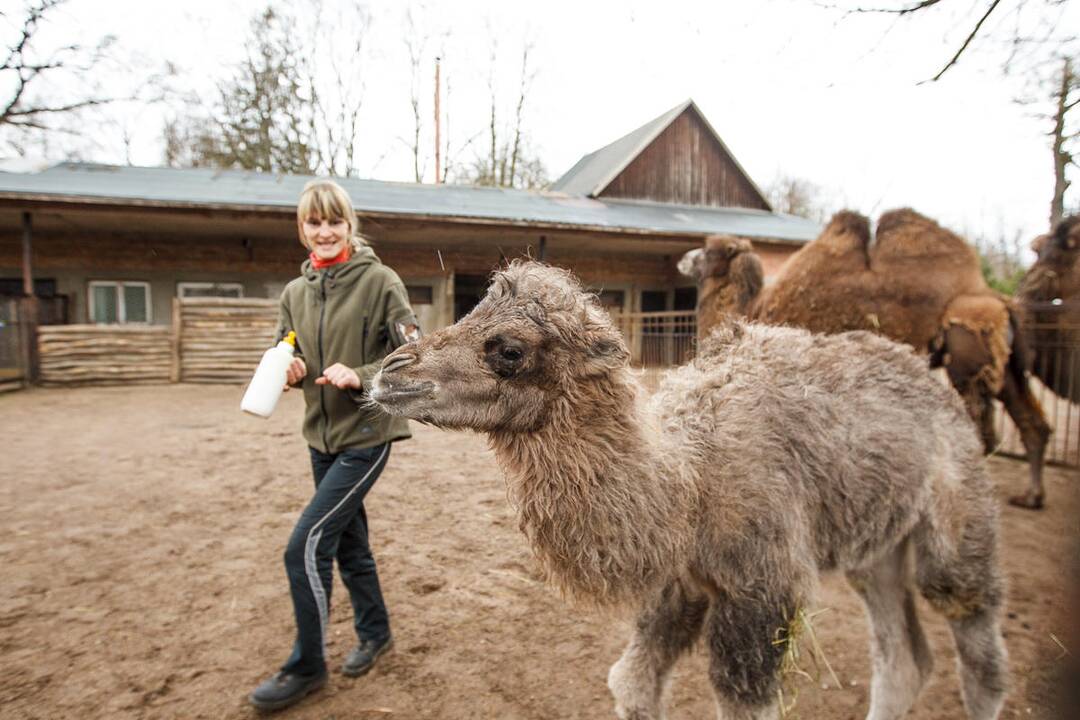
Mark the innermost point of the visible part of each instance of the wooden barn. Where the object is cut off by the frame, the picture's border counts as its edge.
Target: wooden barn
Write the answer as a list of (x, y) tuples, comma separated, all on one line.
[(115, 245)]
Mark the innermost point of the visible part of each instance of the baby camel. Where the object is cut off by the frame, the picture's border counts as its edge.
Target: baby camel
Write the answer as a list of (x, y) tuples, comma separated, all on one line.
[(775, 455)]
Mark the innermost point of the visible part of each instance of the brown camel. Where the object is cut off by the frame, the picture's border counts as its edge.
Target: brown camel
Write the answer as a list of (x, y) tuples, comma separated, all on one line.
[(914, 282), (1050, 297), (775, 455)]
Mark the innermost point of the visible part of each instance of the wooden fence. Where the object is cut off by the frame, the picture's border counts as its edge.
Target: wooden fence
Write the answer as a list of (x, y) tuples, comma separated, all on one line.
[(103, 354), (212, 340), (1055, 340), (220, 340), (659, 339)]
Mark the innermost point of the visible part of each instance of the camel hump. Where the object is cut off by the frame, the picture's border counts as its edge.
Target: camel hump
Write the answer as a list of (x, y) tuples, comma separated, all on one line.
[(907, 235), (728, 244), (846, 229)]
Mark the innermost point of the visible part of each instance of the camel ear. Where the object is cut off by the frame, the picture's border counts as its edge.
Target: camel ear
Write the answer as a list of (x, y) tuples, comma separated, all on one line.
[(1067, 233), (604, 355), (604, 349), (535, 312)]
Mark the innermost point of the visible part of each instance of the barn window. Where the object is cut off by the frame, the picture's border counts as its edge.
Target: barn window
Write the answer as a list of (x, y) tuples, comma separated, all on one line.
[(206, 289), (119, 302), (420, 294)]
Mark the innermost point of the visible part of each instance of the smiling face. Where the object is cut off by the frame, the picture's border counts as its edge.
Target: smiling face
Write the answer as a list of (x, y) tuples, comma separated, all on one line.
[(532, 339), (325, 219), (326, 237)]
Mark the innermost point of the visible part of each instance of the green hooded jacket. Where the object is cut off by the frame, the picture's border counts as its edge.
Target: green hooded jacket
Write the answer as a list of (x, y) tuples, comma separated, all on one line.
[(347, 313)]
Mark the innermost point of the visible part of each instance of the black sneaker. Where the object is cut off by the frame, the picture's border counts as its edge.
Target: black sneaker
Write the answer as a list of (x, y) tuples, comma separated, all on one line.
[(362, 657), (284, 689)]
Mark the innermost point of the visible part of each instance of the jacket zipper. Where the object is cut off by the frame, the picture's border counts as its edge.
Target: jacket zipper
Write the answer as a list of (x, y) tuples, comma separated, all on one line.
[(363, 343), (322, 365)]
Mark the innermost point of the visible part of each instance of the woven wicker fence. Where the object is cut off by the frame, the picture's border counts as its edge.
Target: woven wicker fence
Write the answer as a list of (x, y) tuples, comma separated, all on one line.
[(212, 340), (103, 354), (220, 340)]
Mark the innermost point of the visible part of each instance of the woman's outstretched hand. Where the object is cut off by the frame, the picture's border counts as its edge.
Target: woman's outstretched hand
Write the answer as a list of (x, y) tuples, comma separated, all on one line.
[(295, 372), (339, 376)]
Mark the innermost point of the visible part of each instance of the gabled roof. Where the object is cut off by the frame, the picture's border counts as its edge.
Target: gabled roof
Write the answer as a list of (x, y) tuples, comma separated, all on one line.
[(201, 188), (595, 171)]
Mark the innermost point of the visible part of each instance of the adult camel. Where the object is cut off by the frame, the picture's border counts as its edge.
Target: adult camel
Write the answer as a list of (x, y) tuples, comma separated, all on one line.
[(912, 281)]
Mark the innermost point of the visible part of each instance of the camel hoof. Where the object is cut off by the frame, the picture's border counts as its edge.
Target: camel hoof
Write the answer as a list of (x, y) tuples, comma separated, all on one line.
[(1029, 501)]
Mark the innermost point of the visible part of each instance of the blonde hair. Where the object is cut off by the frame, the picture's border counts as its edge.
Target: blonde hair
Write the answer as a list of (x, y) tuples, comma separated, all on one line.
[(325, 199)]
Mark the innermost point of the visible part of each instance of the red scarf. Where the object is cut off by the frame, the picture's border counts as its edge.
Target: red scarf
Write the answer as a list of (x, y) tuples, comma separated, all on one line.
[(319, 264)]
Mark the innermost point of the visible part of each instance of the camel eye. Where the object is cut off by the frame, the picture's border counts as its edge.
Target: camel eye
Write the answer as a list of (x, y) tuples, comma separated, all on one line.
[(504, 355)]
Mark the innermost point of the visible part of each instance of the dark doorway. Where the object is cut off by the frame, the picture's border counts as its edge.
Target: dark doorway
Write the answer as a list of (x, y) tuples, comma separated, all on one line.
[(653, 300), (468, 290), (13, 287), (686, 298)]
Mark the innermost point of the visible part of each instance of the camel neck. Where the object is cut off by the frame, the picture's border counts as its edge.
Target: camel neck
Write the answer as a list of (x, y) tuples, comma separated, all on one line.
[(594, 497)]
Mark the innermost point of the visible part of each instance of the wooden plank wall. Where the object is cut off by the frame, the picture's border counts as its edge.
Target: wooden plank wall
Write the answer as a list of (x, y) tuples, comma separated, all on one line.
[(685, 164), (221, 340), (103, 354)]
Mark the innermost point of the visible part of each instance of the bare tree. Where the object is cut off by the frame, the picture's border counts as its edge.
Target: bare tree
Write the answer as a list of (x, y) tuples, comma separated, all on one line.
[(416, 44), (263, 118), (974, 23), (510, 162), (335, 76), (1000, 257), (46, 87), (293, 105), (1064, 137), (797, 196)]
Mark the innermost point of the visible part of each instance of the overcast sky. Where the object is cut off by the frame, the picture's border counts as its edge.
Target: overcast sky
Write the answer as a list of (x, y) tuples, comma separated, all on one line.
[(792, 86)]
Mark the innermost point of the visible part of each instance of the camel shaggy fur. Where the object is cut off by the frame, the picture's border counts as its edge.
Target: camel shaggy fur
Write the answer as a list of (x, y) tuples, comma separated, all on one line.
[(712, 508), (912, 281)]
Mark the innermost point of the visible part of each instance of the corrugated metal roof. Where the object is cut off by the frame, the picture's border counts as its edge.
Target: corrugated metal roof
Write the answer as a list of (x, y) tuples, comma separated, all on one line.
[(198, 187)]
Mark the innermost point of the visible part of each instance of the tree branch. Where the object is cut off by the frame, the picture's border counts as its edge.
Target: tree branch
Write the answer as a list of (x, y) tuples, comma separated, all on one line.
[(899, 11), (967, 42)]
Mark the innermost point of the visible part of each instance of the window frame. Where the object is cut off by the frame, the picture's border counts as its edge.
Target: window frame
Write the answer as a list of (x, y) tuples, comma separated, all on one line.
[(181, 286), (121, 304)]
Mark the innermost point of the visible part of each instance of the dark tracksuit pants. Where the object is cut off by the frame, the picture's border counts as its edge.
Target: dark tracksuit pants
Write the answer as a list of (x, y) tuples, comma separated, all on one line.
[(334, 524)]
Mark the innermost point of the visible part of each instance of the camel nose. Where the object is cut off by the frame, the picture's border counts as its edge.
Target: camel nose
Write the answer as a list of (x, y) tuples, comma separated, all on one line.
[(398, 359)]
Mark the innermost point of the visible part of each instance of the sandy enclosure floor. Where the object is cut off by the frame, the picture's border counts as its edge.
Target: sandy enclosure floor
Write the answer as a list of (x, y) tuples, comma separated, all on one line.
[(142, 533)]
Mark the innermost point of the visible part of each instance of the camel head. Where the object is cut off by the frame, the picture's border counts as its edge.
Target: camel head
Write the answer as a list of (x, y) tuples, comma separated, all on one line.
[(1056, 273), (714, 260), (1063, 240), (534, 339)]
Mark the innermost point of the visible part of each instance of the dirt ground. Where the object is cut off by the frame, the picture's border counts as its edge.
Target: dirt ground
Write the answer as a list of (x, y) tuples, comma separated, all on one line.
[(142, 533)]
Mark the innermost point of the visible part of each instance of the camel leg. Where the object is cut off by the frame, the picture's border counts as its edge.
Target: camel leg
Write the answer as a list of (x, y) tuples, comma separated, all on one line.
[(982, 663), (665, 629), (963, 583), (744, 660), (901, 655), (1025, 411)]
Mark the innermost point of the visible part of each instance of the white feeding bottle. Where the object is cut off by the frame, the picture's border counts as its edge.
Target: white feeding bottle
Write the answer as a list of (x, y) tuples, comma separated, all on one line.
[(269, 380)]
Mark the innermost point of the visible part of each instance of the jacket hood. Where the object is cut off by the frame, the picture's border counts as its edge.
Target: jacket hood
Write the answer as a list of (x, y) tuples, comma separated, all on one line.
[(342, 273)]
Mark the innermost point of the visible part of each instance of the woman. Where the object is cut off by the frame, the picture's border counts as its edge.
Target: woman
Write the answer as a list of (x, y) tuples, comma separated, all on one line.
[(348, 311)]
